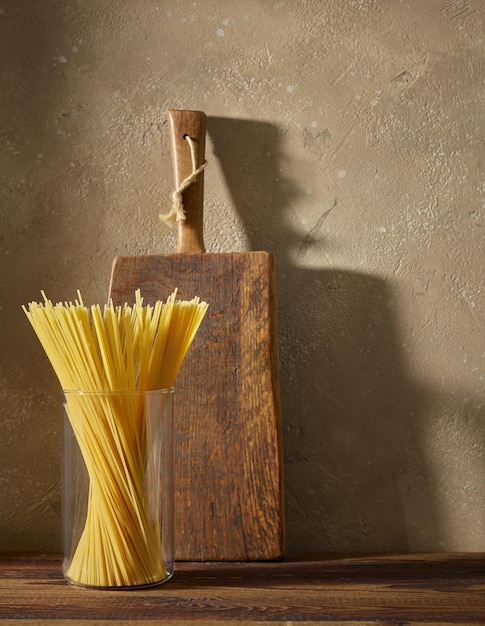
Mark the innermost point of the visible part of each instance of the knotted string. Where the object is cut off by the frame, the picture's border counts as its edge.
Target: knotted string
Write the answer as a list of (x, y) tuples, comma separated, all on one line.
[(177, 212)]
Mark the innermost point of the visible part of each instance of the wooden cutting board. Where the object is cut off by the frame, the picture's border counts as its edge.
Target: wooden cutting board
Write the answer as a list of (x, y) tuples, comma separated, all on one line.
[(228, 467)]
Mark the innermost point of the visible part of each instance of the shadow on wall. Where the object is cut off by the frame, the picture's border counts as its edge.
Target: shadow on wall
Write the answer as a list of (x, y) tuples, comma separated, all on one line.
[(38, 235), (356, 473)]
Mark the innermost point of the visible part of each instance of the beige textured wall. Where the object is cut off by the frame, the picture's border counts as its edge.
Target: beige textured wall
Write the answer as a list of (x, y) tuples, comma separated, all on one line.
[(344, 135)]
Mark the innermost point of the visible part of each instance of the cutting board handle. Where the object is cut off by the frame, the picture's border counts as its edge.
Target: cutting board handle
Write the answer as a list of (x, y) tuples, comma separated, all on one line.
[(190, 238)]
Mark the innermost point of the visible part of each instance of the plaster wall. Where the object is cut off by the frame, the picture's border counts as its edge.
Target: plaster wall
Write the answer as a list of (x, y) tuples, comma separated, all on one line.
[(347, 137)]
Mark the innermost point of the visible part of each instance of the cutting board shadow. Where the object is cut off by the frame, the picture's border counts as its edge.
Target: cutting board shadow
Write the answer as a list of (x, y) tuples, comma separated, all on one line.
[(351, 409)]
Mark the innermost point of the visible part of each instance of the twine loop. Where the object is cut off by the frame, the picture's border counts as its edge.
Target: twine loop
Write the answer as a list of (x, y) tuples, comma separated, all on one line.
[(177, 212)]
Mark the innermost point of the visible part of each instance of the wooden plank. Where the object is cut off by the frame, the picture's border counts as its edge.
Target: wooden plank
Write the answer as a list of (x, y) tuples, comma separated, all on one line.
[(417, 590), (246, 622), (229, 473), (227, 431)]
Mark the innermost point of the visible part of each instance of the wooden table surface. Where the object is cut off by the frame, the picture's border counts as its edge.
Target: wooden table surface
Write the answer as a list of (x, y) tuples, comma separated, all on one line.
[(388, 590)]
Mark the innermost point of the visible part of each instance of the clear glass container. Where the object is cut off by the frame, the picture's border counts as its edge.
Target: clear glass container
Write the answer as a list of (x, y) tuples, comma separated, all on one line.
[(117, 488)]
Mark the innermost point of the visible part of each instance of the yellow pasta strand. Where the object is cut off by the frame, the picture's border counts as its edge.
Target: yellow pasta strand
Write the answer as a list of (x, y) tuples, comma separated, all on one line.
[(127, 349)]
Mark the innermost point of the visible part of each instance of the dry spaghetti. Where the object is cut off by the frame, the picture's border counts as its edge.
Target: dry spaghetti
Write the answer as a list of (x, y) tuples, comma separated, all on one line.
[(127, 349)]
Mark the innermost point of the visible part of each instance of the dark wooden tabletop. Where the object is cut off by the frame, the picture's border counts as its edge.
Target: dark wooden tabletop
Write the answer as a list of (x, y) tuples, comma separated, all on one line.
[(397, 590)]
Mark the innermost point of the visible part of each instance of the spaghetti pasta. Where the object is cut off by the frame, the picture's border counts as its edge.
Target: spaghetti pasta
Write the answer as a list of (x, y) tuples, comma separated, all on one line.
[(125, 349)]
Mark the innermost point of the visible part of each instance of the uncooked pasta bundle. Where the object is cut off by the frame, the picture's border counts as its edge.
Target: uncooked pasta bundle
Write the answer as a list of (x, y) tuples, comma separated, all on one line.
[(118, 348), (126, 349)]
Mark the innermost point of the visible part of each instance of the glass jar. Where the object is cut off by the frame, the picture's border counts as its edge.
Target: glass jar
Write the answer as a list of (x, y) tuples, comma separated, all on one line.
[(117, 488)]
